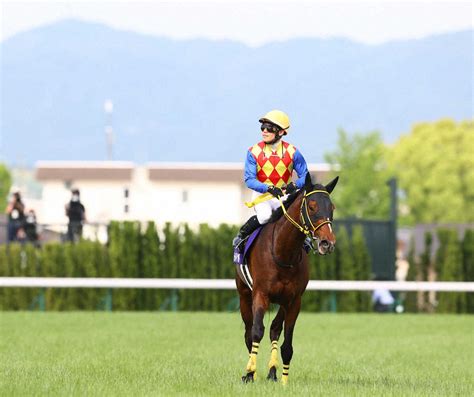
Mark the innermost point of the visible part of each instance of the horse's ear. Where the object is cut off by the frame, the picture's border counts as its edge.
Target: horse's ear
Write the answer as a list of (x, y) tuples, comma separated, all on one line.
[(331, 185), (308, 183)]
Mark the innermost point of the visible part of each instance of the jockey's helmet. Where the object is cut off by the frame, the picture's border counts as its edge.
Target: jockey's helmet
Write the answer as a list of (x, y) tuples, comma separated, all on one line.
[(278, 118)]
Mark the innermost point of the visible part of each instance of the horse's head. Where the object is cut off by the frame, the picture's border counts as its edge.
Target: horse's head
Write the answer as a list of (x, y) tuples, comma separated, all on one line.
[(317, 211)]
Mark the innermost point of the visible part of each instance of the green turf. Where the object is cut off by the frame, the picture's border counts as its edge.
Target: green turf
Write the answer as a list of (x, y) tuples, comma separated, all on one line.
[(135, 354)]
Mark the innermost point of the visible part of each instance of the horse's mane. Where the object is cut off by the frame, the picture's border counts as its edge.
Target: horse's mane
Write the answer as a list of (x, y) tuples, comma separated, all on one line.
[(277, 213)]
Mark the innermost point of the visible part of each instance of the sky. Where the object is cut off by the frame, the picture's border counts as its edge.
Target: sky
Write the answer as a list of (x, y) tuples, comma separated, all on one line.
[(253, 22)]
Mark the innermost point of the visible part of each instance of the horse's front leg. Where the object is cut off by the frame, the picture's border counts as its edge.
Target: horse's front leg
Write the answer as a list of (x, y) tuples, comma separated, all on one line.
[(259, 307), (275, 331), (246, 313), (287, 348)]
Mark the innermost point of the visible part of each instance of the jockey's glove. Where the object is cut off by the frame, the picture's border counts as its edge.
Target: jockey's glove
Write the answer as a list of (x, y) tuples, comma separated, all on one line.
[(291, 188), (275, 191)]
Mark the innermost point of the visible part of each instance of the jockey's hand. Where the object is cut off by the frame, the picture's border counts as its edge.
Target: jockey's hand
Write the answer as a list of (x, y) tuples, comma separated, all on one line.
[(275, 191), (291, 188)]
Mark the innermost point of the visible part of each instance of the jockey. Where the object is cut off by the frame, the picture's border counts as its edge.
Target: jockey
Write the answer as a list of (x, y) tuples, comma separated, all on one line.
[(268, 168)]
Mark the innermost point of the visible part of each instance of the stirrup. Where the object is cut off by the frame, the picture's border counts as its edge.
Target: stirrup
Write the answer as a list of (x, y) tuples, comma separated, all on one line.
[(238, 244), (236, 241)]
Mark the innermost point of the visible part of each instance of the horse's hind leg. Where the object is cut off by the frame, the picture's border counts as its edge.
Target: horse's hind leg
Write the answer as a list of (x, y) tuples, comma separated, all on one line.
[(259, 307), (275, 331), (287, 348)]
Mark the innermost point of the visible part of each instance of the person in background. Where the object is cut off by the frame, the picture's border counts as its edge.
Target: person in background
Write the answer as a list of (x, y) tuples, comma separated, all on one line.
[(16, 216), (31, 229), (76, 213)]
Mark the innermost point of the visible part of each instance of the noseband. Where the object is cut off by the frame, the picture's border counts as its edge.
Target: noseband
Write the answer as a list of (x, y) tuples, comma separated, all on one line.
[(307, 226)]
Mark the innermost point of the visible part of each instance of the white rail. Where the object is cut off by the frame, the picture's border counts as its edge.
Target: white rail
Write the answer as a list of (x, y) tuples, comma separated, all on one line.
[(182, 283)]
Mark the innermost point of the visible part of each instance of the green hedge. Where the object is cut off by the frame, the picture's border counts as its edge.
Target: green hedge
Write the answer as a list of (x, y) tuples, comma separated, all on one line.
[(172, 252), (454, 261)]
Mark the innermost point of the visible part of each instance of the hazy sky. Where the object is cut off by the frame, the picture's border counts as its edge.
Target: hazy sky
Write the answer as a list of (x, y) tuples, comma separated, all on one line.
[(252, 22)]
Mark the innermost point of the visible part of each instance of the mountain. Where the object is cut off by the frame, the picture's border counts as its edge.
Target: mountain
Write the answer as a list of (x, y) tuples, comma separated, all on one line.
[(200, 100)]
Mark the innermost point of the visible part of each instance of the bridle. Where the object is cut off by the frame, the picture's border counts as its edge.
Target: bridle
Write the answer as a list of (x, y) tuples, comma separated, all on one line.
[(306, 227)]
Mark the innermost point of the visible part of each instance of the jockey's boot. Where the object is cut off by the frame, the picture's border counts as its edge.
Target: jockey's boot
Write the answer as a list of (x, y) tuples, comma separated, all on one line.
[(245, 231)]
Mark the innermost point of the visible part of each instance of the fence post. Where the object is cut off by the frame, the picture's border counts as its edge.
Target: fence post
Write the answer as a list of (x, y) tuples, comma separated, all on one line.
[(333, 302), (108, 300), (42, 300), (174, 300)]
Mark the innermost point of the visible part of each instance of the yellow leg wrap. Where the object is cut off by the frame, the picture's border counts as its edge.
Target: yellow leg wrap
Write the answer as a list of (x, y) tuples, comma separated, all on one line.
[(284, 375), (274, 355), (252, 363)]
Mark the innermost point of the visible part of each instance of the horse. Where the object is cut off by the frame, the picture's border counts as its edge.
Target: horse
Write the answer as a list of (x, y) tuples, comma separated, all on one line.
[(279, 269)]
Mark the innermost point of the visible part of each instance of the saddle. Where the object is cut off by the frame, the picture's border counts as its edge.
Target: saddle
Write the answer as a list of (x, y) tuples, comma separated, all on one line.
[(240, 257)]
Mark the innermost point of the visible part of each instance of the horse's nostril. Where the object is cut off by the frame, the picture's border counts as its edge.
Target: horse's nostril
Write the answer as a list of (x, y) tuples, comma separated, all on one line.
[(325, 244)]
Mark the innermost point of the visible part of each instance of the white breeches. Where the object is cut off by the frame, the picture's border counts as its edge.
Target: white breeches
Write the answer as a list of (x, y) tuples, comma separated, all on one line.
[(264, 210)]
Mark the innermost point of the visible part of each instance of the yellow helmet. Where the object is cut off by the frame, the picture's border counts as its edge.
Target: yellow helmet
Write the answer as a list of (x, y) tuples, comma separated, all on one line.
[(277, 117)]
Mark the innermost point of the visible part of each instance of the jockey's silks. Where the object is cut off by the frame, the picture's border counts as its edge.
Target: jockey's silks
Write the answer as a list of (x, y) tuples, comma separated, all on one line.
[(273, 164), (274, 167)]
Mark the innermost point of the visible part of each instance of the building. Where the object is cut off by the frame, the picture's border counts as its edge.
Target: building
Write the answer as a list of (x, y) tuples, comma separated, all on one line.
[(195, 193)]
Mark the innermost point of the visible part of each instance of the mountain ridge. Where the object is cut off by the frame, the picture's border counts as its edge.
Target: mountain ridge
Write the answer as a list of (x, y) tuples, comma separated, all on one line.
[(200, 100)]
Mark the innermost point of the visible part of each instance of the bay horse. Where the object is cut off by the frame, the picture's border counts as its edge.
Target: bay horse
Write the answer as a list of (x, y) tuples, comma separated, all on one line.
[(279, 268)]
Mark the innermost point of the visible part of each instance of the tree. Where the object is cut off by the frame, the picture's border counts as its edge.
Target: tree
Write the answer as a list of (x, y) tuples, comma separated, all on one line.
[(468, 266), (449, 267), (5, 185), (347, 300), (150, 259), (435, 169), (362, 265), (360, 162)]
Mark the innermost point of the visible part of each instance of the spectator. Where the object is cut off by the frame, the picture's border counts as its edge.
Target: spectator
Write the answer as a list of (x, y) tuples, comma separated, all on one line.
[(76, 213), (30, 227), (16, 216)]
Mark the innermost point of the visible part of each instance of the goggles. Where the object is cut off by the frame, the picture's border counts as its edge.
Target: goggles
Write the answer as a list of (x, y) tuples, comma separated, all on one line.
[(270, 128)]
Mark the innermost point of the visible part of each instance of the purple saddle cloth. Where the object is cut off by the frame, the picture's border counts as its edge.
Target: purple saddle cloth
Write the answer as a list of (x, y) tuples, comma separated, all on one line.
[(239, 258)]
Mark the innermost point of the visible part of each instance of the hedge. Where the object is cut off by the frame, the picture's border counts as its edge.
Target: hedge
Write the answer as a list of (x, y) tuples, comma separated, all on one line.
[(171, 252), (454, 261)]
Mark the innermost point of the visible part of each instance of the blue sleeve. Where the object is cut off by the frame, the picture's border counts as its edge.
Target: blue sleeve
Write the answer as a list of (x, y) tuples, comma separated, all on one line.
[(250, 175), (299, 165)]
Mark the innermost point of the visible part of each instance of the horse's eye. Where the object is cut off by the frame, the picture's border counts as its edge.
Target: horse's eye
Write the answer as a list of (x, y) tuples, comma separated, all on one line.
[(313, 206)]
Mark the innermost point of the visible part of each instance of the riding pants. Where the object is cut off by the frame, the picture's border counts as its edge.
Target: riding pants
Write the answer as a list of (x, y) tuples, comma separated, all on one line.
[(264, 210)]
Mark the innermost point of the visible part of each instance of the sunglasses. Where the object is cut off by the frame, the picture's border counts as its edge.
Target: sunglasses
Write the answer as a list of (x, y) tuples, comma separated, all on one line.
[(270, 128)]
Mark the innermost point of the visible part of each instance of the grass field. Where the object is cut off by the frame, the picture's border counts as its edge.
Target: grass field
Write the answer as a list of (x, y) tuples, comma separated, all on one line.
[(202, 354)]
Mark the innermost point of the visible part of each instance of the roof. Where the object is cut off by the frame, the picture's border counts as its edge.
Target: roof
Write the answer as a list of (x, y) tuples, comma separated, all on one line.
[(196, 172), (123, 170), (84, 170)]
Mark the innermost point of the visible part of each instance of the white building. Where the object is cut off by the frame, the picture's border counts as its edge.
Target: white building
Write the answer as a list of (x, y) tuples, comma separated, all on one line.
[(195, 193)]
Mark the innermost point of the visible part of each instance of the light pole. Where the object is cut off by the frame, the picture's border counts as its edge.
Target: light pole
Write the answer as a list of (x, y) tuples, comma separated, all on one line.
[(109, 132)]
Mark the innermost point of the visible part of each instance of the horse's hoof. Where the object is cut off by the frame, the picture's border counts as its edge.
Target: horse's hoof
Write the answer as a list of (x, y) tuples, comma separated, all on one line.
[(248, 377), (272, 374)]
